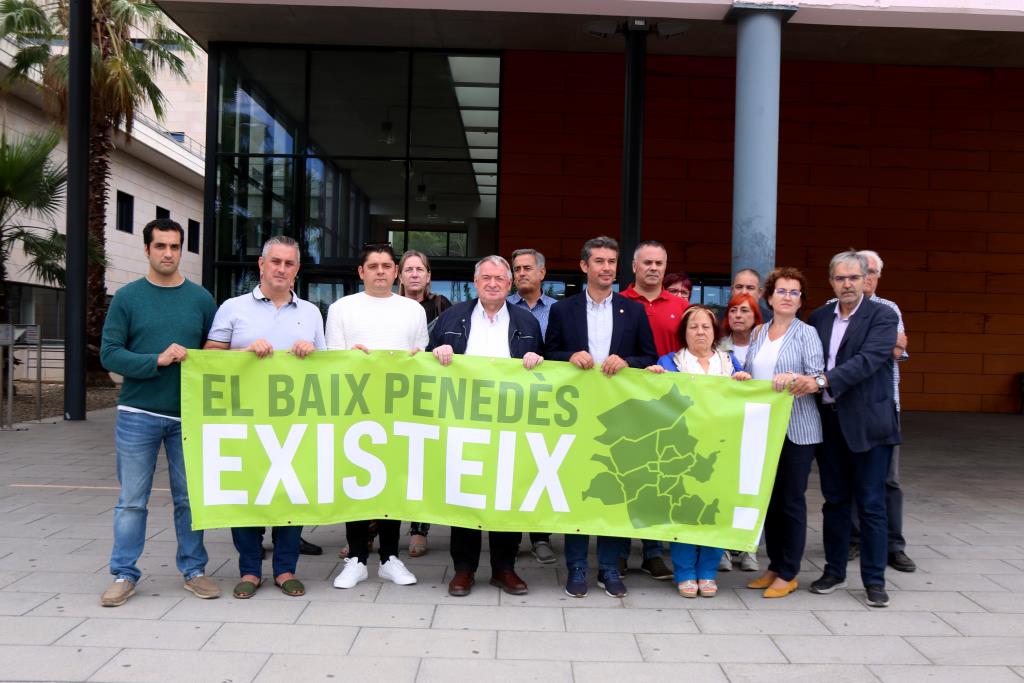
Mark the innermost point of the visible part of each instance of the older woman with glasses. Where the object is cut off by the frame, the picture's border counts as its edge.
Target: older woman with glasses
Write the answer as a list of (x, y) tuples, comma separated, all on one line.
[(695, 566), (678, 284), (787, 352)]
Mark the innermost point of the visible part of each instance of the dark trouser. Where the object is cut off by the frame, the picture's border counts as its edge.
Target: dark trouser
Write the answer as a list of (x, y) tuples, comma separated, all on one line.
[(537, 537), (419, 528), (358, 533), (785, 524), (847, 476), (466, 543), (893, 507), (249, 544)]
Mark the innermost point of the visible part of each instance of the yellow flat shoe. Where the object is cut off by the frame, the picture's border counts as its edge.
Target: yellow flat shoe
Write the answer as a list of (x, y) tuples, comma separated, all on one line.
[(761, 582), (781, 592)]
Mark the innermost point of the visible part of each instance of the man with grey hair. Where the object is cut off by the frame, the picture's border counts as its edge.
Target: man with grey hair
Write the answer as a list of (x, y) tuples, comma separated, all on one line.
[(529, 273), (269, 318), (487, 326), (859, 424), (897, 557)]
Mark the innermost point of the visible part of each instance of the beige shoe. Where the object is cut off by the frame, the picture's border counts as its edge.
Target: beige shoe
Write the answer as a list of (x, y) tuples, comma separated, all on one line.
[(118, 593), (202, 587)]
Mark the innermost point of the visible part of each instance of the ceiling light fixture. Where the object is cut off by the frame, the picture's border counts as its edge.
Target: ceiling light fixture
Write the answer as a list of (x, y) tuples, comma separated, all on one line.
[(432, 211), (387, 133), (421, 192)]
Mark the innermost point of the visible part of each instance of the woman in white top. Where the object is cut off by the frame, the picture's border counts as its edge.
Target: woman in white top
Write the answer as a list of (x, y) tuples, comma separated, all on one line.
[(788, 353), (695, 566)]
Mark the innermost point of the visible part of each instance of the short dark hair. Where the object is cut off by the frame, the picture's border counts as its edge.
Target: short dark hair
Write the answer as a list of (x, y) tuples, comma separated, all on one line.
[(785, 273), (161, 224), (602, 242), (677, 278), (377, 248), (691, 311), (752, 272)]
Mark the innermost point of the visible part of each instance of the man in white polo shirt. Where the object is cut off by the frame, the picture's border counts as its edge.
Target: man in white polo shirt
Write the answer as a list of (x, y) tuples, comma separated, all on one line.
[(267, 319), (372, 320)]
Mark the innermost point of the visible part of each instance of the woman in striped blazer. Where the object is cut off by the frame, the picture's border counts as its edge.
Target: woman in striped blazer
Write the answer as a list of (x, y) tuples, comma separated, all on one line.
[(787, 352)]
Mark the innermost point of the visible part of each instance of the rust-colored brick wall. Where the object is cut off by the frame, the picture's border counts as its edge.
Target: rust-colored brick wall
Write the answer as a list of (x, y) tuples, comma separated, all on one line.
[(925, 165)]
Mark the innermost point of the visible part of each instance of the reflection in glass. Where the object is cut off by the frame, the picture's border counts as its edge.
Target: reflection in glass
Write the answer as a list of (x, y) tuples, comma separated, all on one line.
[(261, 96), (323, 294), (254, 202), (350, 203)]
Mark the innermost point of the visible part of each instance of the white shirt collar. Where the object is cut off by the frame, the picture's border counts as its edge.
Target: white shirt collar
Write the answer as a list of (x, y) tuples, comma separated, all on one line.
[(501, 315), (606, 302)]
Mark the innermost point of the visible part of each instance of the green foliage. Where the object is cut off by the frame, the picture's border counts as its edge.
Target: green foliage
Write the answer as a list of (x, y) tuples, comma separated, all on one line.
[(651, 455)]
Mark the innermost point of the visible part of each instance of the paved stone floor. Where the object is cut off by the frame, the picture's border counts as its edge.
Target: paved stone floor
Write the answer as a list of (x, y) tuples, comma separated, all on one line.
[(960, 617)]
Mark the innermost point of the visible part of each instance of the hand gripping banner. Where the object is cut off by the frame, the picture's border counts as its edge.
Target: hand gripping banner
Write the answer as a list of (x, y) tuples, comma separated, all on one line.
[(482, 443)]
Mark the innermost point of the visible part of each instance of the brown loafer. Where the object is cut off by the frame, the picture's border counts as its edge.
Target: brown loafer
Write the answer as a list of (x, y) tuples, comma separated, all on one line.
[(461, 584), (508, 581)]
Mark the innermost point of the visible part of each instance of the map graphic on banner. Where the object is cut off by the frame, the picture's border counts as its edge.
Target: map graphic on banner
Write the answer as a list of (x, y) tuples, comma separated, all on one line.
[(482, 443)]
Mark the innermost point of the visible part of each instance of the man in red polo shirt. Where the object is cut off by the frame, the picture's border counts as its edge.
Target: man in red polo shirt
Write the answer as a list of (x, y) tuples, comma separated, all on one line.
[(664, 311)]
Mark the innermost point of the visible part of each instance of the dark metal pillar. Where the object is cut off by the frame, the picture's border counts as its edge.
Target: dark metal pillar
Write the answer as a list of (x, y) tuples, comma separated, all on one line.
[(75, 286), (209, 236), (756, 160), (633, 144)]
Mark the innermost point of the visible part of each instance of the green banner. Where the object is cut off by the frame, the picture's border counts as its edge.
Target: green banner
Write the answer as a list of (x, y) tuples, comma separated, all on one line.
[(482, 443)]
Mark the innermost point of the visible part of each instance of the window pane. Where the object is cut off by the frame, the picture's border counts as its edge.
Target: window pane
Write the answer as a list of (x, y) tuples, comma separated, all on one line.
[(350, 203), (323, 294), (454, 101), (254, 202), (262, 99), (358, 103), (445, 196)]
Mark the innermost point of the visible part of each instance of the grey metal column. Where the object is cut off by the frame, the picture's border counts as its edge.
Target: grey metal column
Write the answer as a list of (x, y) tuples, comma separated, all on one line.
[(756, 161), (75, 285)]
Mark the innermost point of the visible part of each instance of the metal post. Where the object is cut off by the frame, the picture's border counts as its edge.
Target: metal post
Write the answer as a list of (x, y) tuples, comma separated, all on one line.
[(756, 164), (80, 38), (633, 144)]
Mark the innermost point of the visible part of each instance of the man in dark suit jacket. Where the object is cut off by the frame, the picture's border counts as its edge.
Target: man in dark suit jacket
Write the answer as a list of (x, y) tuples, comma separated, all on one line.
[(487, 326), (598, 328), (860, 425)]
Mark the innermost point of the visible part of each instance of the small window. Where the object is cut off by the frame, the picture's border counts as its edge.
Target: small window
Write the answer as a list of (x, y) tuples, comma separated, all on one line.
[(193, 236), (161, 212), (125, 212)]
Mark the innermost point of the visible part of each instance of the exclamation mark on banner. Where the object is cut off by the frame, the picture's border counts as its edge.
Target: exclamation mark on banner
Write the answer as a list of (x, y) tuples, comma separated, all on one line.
[(753, 444)]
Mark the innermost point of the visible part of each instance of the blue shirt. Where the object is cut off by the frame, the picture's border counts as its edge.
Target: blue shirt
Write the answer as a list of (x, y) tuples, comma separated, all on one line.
[(243, 319), (540, 311)]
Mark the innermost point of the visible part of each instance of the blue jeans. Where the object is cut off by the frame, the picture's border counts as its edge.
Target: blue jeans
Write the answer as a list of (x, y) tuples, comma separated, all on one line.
[(609, 549), (847, 476), (137, 438), (249, 544), (691, 562)]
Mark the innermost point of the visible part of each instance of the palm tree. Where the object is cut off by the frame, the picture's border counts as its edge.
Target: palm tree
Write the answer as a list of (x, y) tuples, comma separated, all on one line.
[(30, 185), (131, 44)]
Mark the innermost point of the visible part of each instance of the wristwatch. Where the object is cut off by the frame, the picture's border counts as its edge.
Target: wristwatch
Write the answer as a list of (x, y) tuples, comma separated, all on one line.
[(820, 379)]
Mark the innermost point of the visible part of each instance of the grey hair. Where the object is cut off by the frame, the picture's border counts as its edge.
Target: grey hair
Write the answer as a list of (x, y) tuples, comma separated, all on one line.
[(284, 241), (496, 260), (602, 242), (868, 254), (752, 272), (649, 243), (539, 257), (848, 256)]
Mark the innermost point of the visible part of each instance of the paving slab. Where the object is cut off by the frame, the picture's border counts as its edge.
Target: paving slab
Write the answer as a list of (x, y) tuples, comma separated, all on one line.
[(647, 672), (590, 647), (470, 671), (1007, 651), (24, 630), (885, 623), (631, 620), (944, 674), (501, 618), (143, 633), (985, 624), (759, 622), (848, 650), (395, 668), (282, 638), (171, 666), (798, 673), (414, 642), (359, 614), (47, 663), (141, 606), (708, 648)]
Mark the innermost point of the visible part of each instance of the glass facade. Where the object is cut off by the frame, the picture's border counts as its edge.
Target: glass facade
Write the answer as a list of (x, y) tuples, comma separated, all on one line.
[(340, 147)]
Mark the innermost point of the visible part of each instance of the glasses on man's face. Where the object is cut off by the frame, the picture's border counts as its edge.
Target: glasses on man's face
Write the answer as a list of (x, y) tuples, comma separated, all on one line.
[(787, 293), (843, 279)]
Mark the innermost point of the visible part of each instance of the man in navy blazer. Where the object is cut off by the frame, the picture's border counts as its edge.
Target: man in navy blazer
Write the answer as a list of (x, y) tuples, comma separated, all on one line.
[(487, 326), (860, 425), (598, 328)]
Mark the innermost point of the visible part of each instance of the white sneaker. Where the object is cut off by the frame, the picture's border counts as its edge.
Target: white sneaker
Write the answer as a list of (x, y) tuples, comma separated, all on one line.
[(725, 564), (394, 570), (353, 573), (748, 562)]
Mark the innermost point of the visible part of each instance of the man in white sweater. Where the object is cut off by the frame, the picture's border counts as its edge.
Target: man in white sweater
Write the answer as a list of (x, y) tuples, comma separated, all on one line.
[(372, 320)]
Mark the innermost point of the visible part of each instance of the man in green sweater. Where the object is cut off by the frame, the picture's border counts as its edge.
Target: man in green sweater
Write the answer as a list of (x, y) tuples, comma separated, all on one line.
[(150, 325)]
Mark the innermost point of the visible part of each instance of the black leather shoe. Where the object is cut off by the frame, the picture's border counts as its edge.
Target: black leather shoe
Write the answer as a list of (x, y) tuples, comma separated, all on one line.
[(307, 548), (899, 561)]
